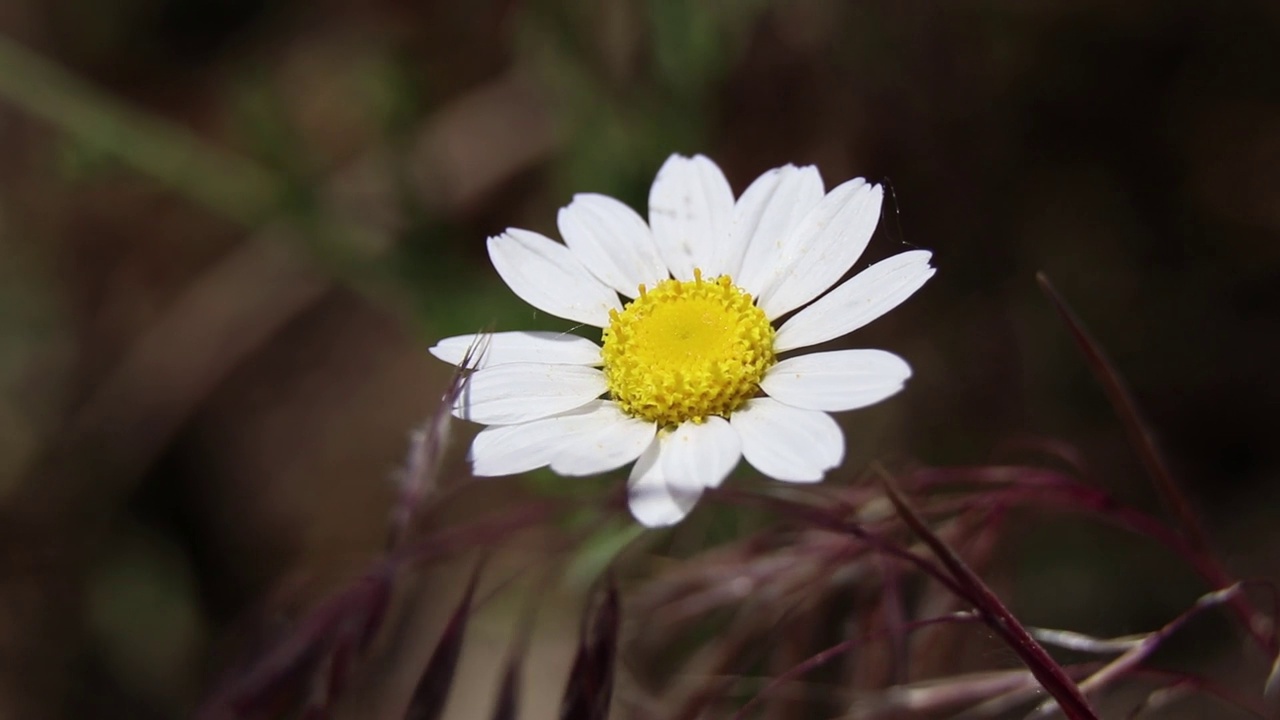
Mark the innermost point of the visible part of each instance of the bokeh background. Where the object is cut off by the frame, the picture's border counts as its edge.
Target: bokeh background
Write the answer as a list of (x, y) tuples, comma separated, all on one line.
[(230, 228)]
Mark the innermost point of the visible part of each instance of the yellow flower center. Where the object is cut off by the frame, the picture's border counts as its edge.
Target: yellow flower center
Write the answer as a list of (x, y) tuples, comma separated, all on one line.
[(687, 349)]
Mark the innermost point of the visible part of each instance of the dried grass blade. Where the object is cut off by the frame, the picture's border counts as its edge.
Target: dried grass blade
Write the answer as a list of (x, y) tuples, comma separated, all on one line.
[(1143, 439), (1140, 651), (1057, 491), (825, 656), (929, 697), (1180, 682), (1079, 642), (1126, 408), (1271, 691), (998, 617), (817, 518)]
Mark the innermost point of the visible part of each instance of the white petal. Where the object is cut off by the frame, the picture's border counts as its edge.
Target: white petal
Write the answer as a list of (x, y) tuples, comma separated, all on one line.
[(788, 443), (604, 438), (512, 449), (700, 455), (613, 242), (823, 247), (690, 210), (520, 346), (764, 217), (594, 438), (520, 392), (863, 298), (545, 274), (840, 380), (653, 502)]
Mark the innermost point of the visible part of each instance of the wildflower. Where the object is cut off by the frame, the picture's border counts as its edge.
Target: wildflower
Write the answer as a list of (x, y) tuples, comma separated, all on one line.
[(687, 377)]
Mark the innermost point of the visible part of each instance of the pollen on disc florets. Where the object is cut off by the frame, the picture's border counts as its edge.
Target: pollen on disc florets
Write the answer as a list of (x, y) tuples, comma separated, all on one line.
[(687, 349)]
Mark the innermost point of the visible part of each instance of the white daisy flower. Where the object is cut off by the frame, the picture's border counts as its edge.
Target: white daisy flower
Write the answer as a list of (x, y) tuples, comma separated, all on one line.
[(686, 379)]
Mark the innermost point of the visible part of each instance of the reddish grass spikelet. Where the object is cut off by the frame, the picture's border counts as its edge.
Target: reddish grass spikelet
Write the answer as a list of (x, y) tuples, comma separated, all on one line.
[(897, 582), (419, 479), (589, 690), (829, 654), (315, 655), (308, 668), (507, 702), (713, 673), (432, 691)]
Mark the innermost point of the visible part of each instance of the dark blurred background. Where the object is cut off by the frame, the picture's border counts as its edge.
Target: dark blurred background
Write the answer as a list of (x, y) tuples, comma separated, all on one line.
[(230, 228)]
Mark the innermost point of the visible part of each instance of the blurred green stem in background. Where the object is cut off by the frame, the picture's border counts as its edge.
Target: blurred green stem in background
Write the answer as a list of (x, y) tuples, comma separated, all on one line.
[(229, 185)]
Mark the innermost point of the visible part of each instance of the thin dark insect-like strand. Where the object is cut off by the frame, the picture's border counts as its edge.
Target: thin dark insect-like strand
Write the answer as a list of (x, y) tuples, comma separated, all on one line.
[(897, 212)]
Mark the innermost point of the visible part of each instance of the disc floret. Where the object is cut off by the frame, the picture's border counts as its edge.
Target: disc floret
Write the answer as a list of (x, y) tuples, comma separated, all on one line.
[(687, 349)]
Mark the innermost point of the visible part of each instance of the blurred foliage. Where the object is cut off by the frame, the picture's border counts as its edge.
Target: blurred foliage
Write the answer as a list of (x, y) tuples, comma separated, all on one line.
[(1129, 150)]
